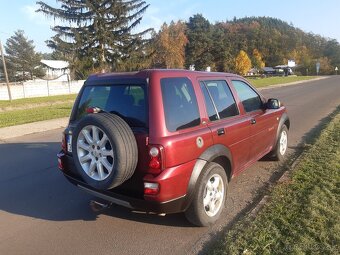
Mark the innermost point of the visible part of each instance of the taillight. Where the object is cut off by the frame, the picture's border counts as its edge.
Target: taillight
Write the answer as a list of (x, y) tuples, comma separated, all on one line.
[(93, 110), (151, 188), (156, 163), (63, 142)]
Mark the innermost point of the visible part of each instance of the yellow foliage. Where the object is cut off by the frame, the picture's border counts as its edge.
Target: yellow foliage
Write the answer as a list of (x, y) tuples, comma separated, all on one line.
[(259, 63), (170, 45), (242, 63)]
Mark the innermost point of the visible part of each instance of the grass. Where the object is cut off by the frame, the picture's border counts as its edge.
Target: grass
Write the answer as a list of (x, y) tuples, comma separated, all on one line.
[(36, 101), (264, 82), (303, 215), (17, 117)]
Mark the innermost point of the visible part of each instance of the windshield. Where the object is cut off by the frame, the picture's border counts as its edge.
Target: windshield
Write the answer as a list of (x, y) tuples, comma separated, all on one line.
[(127, 101)]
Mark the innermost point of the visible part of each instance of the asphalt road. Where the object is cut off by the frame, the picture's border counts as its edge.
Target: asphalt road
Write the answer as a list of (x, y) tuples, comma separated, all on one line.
[(41, 213)]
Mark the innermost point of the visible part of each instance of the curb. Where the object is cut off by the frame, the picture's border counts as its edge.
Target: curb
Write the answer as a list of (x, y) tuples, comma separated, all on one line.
[(30, 128)]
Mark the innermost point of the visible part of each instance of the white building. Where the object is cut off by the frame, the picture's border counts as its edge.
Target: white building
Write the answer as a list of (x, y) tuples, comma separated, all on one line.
[(56, 69)]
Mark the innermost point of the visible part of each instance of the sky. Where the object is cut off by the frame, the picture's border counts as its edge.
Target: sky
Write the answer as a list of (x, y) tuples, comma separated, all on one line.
[(319, 17)]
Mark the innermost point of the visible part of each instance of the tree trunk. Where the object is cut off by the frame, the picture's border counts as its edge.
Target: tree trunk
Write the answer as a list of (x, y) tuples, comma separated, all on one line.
[(103, 60)]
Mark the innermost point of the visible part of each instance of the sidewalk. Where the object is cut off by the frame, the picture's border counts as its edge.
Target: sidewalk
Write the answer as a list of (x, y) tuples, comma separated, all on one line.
[(41, 126), (30, 128)]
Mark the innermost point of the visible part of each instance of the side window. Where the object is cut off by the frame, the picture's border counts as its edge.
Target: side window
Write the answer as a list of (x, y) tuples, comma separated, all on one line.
[(250, 99), (223, 100), (212, 113), (180, 104)]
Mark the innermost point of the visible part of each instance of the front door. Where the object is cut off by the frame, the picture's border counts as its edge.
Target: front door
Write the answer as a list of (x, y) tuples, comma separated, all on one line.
[(262, 124), (228, 126)]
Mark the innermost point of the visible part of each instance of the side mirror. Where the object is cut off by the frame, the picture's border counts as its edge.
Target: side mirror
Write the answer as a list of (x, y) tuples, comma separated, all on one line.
[(273, 103)]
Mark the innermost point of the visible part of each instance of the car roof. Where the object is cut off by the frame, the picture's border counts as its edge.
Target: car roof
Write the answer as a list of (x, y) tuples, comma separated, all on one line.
[(145, 74)]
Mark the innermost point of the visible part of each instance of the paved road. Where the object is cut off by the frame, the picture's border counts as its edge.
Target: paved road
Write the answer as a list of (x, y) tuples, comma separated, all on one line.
[(41, 213)]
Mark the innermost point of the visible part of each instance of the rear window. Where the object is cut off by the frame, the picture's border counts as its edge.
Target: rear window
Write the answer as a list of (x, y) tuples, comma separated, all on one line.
[(180, 104), (127, 101)]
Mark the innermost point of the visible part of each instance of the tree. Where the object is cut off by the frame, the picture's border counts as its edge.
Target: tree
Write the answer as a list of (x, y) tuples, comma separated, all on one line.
[(22, 60), (199, 48), (169, 46), (222, 50), (96, 34), (242, 63), (325, 66), (257, 60)]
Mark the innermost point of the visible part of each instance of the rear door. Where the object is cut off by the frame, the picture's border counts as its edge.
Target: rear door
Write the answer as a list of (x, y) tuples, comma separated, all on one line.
[(262, 122), (228, 126)]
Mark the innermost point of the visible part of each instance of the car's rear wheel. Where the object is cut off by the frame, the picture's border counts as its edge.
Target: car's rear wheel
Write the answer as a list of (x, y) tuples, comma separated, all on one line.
[(209, 197), (105, 150)]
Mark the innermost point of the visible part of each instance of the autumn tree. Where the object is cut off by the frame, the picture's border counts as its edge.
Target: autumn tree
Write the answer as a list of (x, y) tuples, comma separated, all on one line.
[(304, 60), (325, 66), (23, 62), (169, 46), (257, 59), (242, 63), (96, 34)]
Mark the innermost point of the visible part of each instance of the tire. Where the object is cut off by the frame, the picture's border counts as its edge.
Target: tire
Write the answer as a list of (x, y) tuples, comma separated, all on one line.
[(281, 145), (105, 150), (201, 212)]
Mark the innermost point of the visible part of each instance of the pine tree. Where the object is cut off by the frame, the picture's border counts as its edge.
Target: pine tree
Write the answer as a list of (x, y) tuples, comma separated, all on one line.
[(242, 63), (96, 34), (200, 46), (22, 60)]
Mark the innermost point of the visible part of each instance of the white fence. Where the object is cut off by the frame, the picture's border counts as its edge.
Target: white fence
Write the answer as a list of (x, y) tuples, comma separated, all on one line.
[(40, 88)]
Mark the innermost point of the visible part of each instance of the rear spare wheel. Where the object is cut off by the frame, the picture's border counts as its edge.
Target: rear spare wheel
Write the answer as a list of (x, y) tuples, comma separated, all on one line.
[(104, 150)]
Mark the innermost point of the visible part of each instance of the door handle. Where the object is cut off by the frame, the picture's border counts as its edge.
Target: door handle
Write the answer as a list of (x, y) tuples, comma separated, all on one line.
[(220, 131), (253, 121)]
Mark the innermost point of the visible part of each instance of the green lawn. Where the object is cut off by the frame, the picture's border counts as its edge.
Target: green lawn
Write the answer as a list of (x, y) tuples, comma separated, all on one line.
[(303, 215), (16, 117), (36, 100), (264, 82)]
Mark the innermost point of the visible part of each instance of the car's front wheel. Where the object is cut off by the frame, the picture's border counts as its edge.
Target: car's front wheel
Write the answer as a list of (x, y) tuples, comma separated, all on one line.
[(281, 146), (209, 197)]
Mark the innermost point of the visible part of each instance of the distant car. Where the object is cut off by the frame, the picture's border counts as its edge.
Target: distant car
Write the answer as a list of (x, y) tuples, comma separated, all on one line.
[(168, 141)]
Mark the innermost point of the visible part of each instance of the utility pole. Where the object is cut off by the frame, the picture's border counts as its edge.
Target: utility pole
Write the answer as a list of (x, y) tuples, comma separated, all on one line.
[(5, 71)]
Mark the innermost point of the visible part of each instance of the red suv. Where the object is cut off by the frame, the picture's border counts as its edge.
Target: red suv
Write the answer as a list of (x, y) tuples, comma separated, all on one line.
[(168, 141)]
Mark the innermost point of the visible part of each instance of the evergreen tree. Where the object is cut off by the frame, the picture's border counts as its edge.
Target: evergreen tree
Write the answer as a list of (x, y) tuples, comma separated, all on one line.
[(22, 60), (200, 46), (96, 34), (222, 50)]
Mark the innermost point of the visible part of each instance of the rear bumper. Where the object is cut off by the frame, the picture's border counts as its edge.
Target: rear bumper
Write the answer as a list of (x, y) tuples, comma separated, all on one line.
[(172, 206)]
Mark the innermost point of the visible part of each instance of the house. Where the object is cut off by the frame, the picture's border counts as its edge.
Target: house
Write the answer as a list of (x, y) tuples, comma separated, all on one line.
[(56, 69)]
